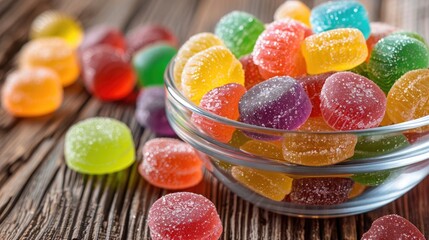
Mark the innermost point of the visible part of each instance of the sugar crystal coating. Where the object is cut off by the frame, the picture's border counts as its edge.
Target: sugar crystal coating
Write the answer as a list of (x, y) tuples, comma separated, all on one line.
[(270, 150), (392, 227), (145, 35), (373, 178), (379, 30), (252, 76), (103, 35), (293, 9), (376, 145)]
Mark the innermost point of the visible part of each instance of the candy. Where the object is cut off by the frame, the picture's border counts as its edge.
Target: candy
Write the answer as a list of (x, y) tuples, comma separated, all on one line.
[(171, 164), (251, 72), (103, 35), (56, 24), (32, 92), (53, 53), (357, 190), (350, 101), (324, 52), (184, 215), (295, 10), (150, 111), (272, 185), (394, 56), (99, 146), (222, 101), (392, 227), (145, 35), (411, 35), (208, 69), (106, 73), (312, 85), (372, 178), (270, 150), (150, 64), (238, 138), (340, 14), (320, 191), (376, 145), (379, 30)]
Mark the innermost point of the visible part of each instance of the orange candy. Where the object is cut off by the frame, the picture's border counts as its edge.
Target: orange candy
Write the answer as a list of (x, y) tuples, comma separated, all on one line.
[(271, 150), (295, 10)]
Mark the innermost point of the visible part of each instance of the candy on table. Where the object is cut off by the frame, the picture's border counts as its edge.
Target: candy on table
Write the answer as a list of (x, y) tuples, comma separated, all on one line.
[(150, 63), (376, 145), (184, 215), (145, 35), (32, 92), (171, 164), (350, 101), (320, 191), (395, 55), (238, 138), (324, 52), (98, 146), (277, 51), (316, 149), (53, 53), (208, 69), (392, 227), (379, 30), (340, 14), (272, 185), (103, 35), (251, 72), (106, 73), (57, 24), (295, 10), (271, 150), (357, 190), (372, 178), (222, 101)]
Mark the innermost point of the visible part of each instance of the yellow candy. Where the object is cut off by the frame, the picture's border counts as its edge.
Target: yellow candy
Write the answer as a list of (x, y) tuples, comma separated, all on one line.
[(57, 24), (211, 68), (271, 150), (336, 50), (51, 53), (295, 10), (357, 190), (386, 121), (194, 45), (272, 185)]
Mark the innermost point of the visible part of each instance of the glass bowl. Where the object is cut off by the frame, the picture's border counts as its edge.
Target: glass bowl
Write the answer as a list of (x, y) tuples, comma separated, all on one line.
[(293, 172)]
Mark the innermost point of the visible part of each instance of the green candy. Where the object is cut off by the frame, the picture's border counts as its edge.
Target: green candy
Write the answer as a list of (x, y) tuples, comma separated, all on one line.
[(361, 69), (411, 35), (373, 178), (239, 31), (99, 146), (150, 64), (372, 146)]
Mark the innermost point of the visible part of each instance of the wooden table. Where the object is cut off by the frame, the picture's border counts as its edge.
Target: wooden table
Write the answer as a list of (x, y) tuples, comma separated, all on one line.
[(40, 198)]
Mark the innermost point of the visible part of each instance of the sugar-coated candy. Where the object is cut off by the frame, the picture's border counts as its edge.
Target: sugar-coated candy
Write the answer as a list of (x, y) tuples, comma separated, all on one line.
[(238, 139), (146, 35), (150, 63), (320, 191), (293, 9), (372, 178), (272, 185), (150, 111), (379, 30), (411, 35), (32, 92), (222, 101), (184, 215), (57, 24), (270, 150), (357, 190), (103, 35), (251, 72), (208, 69), (376, 145), (350, 101), (171, 164), (392, 227), (106, 73), (340, 14), (312, 85), (324, 52), (394, 56), (277, 50), (239, 31), (99, 146), (361, 69), (53, 53)]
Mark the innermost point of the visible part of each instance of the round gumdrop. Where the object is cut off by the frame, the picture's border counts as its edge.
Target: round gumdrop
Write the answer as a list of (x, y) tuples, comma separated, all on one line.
[(379, 30), (251, 72), (171, 164), (412, 35), (103, 35), (145, 35), (184, 215), (32, 92), (376, 145), (392, 227), (222, 101), (99, 146), (372, 178), (350, 101), (106, 73), (266, 149), (293, 9)]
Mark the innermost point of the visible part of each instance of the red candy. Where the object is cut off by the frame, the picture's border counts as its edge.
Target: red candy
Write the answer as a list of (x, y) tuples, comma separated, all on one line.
[(392, 227), (251, 72), (149, 34), (379, 30), (103, 35)]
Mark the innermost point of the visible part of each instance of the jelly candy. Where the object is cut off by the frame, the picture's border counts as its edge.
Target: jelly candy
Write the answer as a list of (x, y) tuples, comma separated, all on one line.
[(350, 101), (32, 92), (371, 146), (372, 178), (57, 24), (106, 73), (98, 146), (357, 190), (317, 149), (103, 35), (411, 35), (194, 45), (51, 53), (312, 85), (208, 69), (272, 185), (293, 9), (392, 227), (238, 139), (270, 150), (251, 72), (171, 164), (222, 101), (277, 50), (361, 69), (145, 35), (150, 64), (150, 111), (379, 30), (239, 31), (320, 191), (184, 215), (340, 14), (394, 56), (324, 52)]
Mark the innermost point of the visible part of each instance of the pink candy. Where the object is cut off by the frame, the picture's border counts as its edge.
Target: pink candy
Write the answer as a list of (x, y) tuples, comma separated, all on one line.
[(392, 227)]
